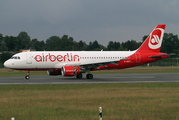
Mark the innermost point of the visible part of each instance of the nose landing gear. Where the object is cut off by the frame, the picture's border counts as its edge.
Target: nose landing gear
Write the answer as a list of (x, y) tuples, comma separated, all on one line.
[(27, 77)]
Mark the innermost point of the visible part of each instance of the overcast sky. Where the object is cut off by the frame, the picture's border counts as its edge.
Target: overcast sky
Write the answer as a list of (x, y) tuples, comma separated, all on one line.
[(88, 20)]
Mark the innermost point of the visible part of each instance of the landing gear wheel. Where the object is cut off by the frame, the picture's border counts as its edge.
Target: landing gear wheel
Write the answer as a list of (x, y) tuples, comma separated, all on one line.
[(79, 76), (27, 77), (89, 76)]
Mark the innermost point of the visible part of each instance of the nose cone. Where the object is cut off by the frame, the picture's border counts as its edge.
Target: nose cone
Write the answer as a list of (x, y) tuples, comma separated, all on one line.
[(7, 64)]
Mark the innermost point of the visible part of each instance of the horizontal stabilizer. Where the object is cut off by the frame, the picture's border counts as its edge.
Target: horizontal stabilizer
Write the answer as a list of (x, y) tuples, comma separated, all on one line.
[(157, 56)]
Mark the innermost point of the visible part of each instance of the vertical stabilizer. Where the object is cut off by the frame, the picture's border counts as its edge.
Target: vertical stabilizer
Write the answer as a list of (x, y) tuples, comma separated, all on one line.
[(154, 40)]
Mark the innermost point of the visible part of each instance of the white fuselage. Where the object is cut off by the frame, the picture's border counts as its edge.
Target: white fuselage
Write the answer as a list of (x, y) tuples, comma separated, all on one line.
[(58, 59)]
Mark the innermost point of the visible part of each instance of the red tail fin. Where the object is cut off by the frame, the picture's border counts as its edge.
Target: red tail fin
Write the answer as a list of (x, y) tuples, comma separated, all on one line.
[(154, 40)]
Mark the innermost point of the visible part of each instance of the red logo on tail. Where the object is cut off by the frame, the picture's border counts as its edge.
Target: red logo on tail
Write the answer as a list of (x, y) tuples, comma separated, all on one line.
[(155, 40)]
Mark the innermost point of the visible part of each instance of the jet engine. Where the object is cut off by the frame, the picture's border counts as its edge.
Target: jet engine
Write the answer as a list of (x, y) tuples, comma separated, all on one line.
[(70, 70), (54, 72)]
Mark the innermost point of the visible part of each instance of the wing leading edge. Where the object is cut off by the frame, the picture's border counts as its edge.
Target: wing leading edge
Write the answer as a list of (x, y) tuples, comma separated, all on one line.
[(95, 64)]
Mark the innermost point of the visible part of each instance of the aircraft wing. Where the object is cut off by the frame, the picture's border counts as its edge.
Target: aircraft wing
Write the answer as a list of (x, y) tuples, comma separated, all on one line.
[(95, 64)]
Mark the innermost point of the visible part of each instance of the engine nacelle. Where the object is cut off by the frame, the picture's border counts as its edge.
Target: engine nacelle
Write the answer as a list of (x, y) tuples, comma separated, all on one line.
[(54, 72), (70, 70)]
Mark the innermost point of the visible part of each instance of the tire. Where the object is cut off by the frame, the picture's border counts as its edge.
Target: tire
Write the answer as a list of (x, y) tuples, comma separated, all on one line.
[(79, 76), (27, 77), (89, 76)]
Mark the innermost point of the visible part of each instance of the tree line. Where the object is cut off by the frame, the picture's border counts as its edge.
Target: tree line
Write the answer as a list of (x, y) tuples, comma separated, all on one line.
[(66, 43), (56, 43)]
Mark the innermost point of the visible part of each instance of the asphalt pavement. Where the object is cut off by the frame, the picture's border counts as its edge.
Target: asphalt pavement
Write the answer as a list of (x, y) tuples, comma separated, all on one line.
[(97, 78)]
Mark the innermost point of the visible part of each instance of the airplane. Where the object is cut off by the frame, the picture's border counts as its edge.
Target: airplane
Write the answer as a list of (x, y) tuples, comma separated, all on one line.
[(75, 63)]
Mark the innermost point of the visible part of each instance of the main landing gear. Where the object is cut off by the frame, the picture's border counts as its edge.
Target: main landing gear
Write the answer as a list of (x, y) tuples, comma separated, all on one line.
[(88, 76), (27, 77), (79, 76)]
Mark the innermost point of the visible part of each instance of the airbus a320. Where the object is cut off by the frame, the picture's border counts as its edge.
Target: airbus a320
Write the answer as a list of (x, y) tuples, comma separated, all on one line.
[(75, 63)]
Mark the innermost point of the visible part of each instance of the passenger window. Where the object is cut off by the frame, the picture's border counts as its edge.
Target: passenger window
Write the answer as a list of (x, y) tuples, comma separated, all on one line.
[(19, 58)]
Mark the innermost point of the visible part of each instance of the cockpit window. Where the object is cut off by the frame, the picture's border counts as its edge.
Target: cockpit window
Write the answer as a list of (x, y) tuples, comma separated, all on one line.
[(15, 57)]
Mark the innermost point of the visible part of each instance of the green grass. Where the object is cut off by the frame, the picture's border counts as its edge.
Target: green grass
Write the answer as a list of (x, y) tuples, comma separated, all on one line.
[(141, 101)]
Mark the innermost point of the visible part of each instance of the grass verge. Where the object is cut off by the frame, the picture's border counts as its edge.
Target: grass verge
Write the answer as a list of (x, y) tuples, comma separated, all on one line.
[(145, 101)]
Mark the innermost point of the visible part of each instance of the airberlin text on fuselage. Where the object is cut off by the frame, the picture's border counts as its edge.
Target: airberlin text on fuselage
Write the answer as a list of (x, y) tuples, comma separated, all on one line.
[(49, 57)]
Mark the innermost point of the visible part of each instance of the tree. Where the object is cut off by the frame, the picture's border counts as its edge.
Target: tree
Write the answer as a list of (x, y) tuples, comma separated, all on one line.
[(4, 57), (101, 47), (37, 45), (67, 43), (53, 44), (110, 46), (116, 45), (170, 43), (113, 45), (11, 43), (131, 45), (1, 38), (144, 38), (80, 46), (3, 46), (23, 41), (93, 45), (90, 46)]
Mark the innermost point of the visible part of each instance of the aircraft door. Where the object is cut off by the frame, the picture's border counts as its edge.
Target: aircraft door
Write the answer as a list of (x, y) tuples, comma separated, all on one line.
[(138, 58), (28, 58)]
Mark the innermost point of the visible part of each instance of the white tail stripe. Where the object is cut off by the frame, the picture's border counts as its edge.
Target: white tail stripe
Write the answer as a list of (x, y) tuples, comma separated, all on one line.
[(155, 41)]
